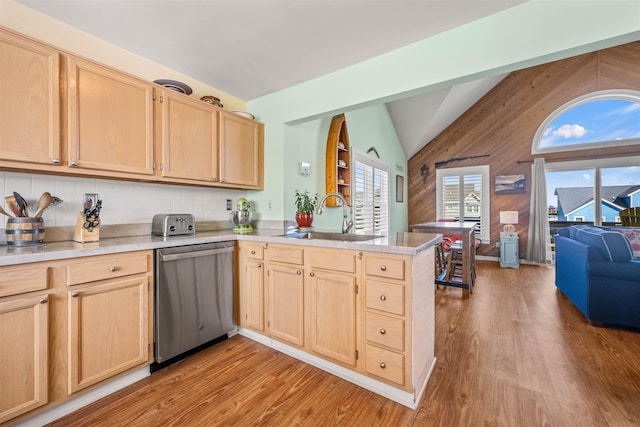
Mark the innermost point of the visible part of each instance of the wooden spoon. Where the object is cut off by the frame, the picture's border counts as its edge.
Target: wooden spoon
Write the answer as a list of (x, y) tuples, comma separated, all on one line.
[(43, 203), (13, 206), (3, 212)]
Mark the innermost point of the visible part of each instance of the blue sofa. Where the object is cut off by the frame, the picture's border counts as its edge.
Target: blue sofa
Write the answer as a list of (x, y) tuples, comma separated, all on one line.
[(596, 270)]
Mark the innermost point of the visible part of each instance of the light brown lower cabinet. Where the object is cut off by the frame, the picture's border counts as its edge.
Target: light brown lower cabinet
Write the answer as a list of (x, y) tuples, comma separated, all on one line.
[(67, 326), (108, 330), (24, 352), (333, 316), (251, 272), (285, 290), (370, 312)]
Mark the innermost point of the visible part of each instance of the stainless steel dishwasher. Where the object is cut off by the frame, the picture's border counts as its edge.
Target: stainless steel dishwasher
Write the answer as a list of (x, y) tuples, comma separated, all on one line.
[(193, 305)]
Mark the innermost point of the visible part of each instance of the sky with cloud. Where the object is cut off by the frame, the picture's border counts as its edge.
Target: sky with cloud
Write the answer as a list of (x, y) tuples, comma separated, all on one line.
[(596, 121)]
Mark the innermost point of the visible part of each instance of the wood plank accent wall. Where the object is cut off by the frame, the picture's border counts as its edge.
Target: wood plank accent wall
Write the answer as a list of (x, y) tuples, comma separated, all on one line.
[(503, 124)]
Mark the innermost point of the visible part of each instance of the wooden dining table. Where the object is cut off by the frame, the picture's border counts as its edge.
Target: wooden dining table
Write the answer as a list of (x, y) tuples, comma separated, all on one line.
[(467, 231)]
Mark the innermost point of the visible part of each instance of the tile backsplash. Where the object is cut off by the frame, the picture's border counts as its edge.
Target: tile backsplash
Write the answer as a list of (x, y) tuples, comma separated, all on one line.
[(123, 202)]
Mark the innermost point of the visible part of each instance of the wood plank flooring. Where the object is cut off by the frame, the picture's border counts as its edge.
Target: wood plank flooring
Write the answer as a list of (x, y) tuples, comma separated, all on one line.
[(516, 353)]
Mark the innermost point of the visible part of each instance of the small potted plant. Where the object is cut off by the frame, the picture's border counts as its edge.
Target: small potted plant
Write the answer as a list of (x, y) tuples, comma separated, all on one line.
[(305, 206)]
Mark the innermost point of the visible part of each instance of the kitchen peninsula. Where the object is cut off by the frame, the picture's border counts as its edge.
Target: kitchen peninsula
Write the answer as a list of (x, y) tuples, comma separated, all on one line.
[(366, 312)]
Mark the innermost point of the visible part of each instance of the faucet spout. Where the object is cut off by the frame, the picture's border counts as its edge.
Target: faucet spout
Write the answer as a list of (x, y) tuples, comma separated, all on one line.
[(347, 225)]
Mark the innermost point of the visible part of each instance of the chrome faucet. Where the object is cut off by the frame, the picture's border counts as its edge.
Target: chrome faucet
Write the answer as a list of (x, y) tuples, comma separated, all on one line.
[(346, 225)]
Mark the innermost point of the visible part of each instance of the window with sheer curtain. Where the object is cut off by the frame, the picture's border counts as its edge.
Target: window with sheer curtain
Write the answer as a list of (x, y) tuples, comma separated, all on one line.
[(370, 195)]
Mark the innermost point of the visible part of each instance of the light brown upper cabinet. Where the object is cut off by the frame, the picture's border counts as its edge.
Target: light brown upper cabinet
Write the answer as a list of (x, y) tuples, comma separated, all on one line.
[(110, 120), (188, 135), (62, 114), (29, 104), (241, 151)]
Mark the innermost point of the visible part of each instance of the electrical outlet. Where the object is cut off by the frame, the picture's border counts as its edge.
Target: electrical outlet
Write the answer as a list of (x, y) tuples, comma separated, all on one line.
[(497, 244), (228, 204)]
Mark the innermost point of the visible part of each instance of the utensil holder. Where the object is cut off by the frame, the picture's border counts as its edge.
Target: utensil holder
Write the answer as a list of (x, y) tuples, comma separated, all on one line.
[(24, 231), (82, 234)]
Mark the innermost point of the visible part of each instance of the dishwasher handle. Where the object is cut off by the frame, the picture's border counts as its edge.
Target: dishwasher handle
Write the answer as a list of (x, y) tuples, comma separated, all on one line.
[(195, 254)]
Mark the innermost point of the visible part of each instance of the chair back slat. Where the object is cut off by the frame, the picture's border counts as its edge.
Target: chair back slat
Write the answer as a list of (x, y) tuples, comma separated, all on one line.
[(630, 217)]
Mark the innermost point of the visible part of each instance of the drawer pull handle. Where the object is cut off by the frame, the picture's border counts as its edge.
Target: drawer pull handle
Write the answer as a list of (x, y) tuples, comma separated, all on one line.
[(44, 300), (74, 294), (383, 267), (253, 252), (298, 272), (113, 268), (55, 161), (383, 331), (383, 297), (259, 265), (312, 274), (73, 163), (383, 365)]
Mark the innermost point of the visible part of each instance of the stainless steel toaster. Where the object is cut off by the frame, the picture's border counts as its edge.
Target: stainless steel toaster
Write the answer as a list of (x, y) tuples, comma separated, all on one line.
[(173, 225)]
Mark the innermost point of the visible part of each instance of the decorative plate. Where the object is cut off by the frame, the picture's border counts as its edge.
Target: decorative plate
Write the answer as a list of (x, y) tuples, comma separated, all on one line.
[(175, 85), (245, 114)]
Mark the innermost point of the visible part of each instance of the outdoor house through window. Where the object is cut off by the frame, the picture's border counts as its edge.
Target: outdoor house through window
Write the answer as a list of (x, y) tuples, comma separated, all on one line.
[(597, 120), (370, 195), (462, 194)]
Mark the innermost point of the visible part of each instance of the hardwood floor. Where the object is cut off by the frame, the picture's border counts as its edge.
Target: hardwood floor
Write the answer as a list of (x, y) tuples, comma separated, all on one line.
[(516, 353)]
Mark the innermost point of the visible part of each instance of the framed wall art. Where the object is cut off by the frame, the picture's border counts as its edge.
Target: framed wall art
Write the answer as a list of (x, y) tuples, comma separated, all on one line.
[(399, 188), (510, 184)]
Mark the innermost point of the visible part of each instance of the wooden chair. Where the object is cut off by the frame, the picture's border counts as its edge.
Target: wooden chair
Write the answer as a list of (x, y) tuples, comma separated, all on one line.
[(630, 217)]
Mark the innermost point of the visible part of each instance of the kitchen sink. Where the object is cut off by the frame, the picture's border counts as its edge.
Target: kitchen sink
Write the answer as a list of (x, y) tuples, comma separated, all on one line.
[(331, 236)]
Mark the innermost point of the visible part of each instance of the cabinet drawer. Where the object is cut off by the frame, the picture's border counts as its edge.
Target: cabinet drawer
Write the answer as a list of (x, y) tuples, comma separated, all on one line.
[(288, 254), (253, 250), (392, 268), (387, 297), (89, 271), (385, 364), (19, 280), (334, 260), (385, 330)]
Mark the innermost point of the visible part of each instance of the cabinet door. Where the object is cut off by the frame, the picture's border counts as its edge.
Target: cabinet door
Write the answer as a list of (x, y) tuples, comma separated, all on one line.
[(110, 119), (189, 132), (108, 330), (241, 151), (333, 314), (252, 295), (29, 102), (286, 303), (24, 354)]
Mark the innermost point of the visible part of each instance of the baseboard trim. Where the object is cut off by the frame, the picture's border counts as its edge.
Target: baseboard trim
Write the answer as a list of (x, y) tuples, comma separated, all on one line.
[(402, 397), (74, 404)]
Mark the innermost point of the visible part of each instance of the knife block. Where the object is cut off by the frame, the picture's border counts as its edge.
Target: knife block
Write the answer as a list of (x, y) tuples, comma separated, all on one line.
[(83, 235)]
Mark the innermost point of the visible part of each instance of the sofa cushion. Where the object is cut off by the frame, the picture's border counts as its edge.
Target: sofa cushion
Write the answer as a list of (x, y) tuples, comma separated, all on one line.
[(613, 246), (628, 271), (575, 228), (633, 234), (564, 232)]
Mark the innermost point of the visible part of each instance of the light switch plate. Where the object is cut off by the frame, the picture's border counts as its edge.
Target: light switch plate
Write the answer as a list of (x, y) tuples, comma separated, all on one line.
[(305, 169)]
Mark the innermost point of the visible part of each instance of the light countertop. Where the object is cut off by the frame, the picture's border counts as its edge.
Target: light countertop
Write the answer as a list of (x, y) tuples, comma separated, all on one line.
[(398, 243)]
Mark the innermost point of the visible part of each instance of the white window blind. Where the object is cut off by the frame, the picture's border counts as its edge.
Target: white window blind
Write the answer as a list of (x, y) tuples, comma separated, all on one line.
[(463, 195), (370, 196)]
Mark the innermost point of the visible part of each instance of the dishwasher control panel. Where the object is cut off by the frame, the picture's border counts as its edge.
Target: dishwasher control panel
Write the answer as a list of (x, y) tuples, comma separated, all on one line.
[(173, 225)]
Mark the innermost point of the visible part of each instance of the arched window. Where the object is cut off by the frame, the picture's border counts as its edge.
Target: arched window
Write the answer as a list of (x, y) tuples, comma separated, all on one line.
[(600, 119)]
